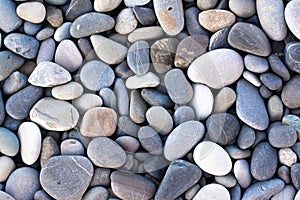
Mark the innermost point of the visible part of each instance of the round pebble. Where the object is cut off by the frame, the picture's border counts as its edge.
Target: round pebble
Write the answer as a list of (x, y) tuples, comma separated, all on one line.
[(71, 147), (106, 5), (86, 102), (69, 91), (128, 143), (159, 119), (33, 12), (256, 64), (212, 191), (291, 58), (282, 136), (242, 8)]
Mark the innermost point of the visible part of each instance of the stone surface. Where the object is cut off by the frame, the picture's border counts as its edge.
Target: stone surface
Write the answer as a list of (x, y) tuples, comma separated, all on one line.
[(156, 98), (33, 12), (144, 15), (128, 143), (137, 107), (183, 114), (6, 196), (282, 136), (242, 173), (47, 50), (253, 79), (293, 121), (192, 22), (206, 4), (9, 18), (212, 191), (147, 80), (246, 137), (219, 39), (71, 147), (150, 140), (275, 108), (106, 5), (237, 153), (127, 126), (271, 81), (291, 56), (146, 33), (224, 100), (49, 148), (68, 91), (122, 96), (54, 16), (78, 8), (95, 193), (126, 21), (63, 32), (242, 8), (86, 102), (109, 98), (202, 101), (134, 3), (138, 57), (256, 64), (287, 156), (9, 63), (290, 93), (288, 193), (290, 13), (278, 67), (7, 166), (159, 119), (295, 171)]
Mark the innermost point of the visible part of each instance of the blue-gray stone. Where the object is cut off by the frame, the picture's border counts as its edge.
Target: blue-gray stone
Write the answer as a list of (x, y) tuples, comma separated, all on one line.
[(156, 98), (278, 67), (46, 52), (9, 62), (2, 111), (45, 33), (144, 15), (192, 23), (31, 28), (14, 83), (292, 56), (77, 8), (9, 20), (57, 2), (63, 32), (138, 58)]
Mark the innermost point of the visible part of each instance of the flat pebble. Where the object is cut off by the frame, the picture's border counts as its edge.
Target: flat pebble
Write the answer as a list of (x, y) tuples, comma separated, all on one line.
[(58, 174), (126, 21), (106, 5), (212, 191), (46, 51), (33, 12), (96, 193), (7, 166), (242, 8), (137, 107), (290, 93), (159, 119), (256, 64), (290, 13), (206, 4), (293, 121), (45, 33), (10, 21), (287, 156), (122, 96), (54, 16), (252, 78), (202, 101), (224, 100), (150, 140), (138, 57), (31, 28), (284, 173), (212, 158), (228, 181), (278, 67), (56, 2), (242, 173), (144, 15), (134, 3), (246, 137), (156, 98), (271, 81), (183, 114), (146, 33), (291, 58), (100, 177), (71, 147), (78, 8), (282, 136), (55, 115), (41, 195), (68, 91), (14, 83), (63, 32), (2, 109), (147, 80), (108, 97), (237, 153), (49, 148)]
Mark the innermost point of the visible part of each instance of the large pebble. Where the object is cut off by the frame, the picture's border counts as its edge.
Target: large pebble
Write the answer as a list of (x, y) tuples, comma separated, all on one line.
[(282, 136), (138, 57), (202, 101), (242, 8), (249, 38), (55, 115), (291, 56), (291, 93), (217, 68), (159, 119), (54, 16), (212, 191), (33, 12), (57, 175), (290, 13), (295, 172), (126, 21), (86, 102), (142, 81), (7, 166), (9, 63), (9, 18), (68, 91), (224, 99), (212, 158), (106, 5)]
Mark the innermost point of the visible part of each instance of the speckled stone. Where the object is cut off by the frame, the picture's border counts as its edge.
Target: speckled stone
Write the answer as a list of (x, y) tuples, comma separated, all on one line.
[(138, 58), (126, 21)]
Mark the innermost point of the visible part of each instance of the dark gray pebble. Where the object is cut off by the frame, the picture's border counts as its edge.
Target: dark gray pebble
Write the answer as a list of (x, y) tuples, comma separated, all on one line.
[(192, 23), (144, 15), (77, 8), (9, 63), (11, 123), (246, 137), (271, 81), (278, 67), (137, 107), (219, 39), (156, 98)]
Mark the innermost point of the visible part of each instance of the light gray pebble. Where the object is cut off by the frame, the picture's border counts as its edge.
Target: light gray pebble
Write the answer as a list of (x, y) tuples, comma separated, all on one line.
[(246, 137), (252, 78), (46, 51), (275, 108), (45, 33), (146, 33), (183, 114), (71, 147), (14, 83), (227, 181), (128, 143), (291, 10), (127, 126), (190, 193), (62, 32), (126, 21), (271, 81), (242, 173), (133, 3), (148, 80), (256, 64), (138, 57), (159, 119), (109, 98), (242, 8), (7, 167), (287, 157)]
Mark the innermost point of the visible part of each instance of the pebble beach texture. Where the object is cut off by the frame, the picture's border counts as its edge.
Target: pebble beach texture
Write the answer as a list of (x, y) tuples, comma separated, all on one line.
[(150, 99)]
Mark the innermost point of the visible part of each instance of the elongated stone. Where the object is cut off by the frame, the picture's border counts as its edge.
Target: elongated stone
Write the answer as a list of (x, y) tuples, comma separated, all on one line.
[(290, 93), (9, 142), (159, 119), (138, 57), (156, 98), (46, 51), (69, 91), (143, 81), (106, 5), (150, 140), (202, 101), (290, 13), (78, 8), (146, 33), (138, 107)]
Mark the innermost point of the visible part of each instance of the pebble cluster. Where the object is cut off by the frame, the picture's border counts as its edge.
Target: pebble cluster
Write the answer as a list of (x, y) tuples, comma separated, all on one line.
[(150, 99)]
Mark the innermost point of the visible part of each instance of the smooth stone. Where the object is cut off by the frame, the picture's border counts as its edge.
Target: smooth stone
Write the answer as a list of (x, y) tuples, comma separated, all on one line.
[(237, 153), (249, 38), (138, 57), (242, 173), (271, 81), (109, 98), (291, 57), (150, 140), (71, 147), (287, 156), (31, 141), (86, 49), (178, 87), (46, 51), (275, 108), (106, 5), (256, 64), (123, 183), (216, 19), (146, 33), (190, 193), (5, 196), (213, 191), (297, 196), (217, 68), (91, 23), (202, 101), (54, 16), (222, 128), (147, 80), (248, 98), (170, 15), (78, 8), (123, 70), (227, 181), (156, 98), (278, 67), (33, 12), (290, 95), (260, 136), (96, 75), (271, 17), (265, 92), (192, 22), (96, 193), (134, 3), (263, 167), (159, 119), (128, 143), (284, 173), (212, 158), (2, 109), (23, 183), (19, 104), (100, 177), (63, 32), (189, 49), (219, 39), (287, 193), (57, 175), (252, 78), (10, 21), (14, 83), (163, 53), (206, 4), (56, 2), (246, 137), (137, 107), (127, 126), (68, 56), (50, 148), (99, 121), (290, 14), (236, 192), (122, 96), (180, 176), (54, 115), (41, 195), (49, 74), (144, 15), (293, 121), (7, 166), (104, 152), (86, 102), (183, 114), (11, 123), (31, 28), (295, 171), (242, 8), (263, 190), (126, 21), (68, 91), (185, 136), (21, 44), (108, 50), (9, 63), (224, 100)]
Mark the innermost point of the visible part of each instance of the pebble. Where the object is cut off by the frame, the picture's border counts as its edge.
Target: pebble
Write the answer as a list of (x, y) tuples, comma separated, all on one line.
[(190, 193), (202, 101), (159, 119), (295, 171), (242, 8), (183, 114), (290, 95), (104, 152), (122, 96), (163, 54), (100, 177), (57, 175), (146, 33), (249, 38), (282, 136), (224, 100), (275, 108), (31, 141), (248, 98), (242, 173), (150, 140), (68, 56), (212, 158), (290, 13), (106, 5), (96, 193), (219, 39), (287, 156), (290, 56), (218, 68), (91, 23), (206, 4), (287, 193), (54, 16), (128, 143), (2, 109), (123, 183), (147, 80), (108, 97), (271, 18), (237, 153), (144, 15), (68, 91), (192, 22), (170, 15), (185, 136), (137, 107), (222, 128), (49, 74), (7, 166), (10, 21), (23, 183), (246, 137), (41, 195), (138, 57), (11, 123), (189, 49), (6, 196), (86, 102), (46, 51), (63, 32), (126, 21), (256, 64), (31, 28), (265, 92), (56, 2), (78, 8), (228, 181), (99, 121), (251, 78), (123, 70), (213, 191), (14, 83), (263, 190), (271, 81), (134, 3), (180, 176), (156, 98), (284, 173), (293, 121), (263, 167), (21, 44), (278, 67), (71, 147), (49, 149), (236, 193), (96, 75), (108, 50), (55, 115), (127, 126), (19, 104), (216, 19), (33, 12)]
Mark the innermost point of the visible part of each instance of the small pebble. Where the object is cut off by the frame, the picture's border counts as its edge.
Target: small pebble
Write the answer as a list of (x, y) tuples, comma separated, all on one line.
[(122, 96), (108, 97), (150, 140), (242, 8), (156, 98), (290, 93), (138, 57), (202, 101), (227, 181), (278, 67), (71, 147), (183, 114), (246, 137), (256, 64), (282, 136), (49, 148), (137, 107), (284, 173), (219, 39), (54, 16), (126, 21), (146, 33), (96, 193), (271, 81), (106, 5), (242, 173), (68, 91), (159, 119), (128, 143), (86, 102), (31, 28), (287, 156), (14, 83), (237, 153), (290, 14), (63, 32), (147, 80), (144, 15), (100, 177)]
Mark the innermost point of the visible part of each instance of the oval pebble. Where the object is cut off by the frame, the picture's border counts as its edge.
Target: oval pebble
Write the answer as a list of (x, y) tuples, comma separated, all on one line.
[(224, 100), (146, 33), (54, 16), (291, 93), (246, 137), (147, 80), (144, 15), (256, 64), (159, 119), (156, 98), (138, 107), (122, 96), (86, 102), (290, 13), (47, 50), (271, 81), (128, 143), (138, 57), (126, 21), (242, 8), (202, 101), (71, 147), (291, 56), (68, 91), (9, 63), (97, 192), (7, 166), (242, 173), (63, 32), (77, 8), (106, 5), (183, 114), (109, 98), (212, 191), (10, 21), (150, 140), (33, 12), (282, 136), (278, 67)]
